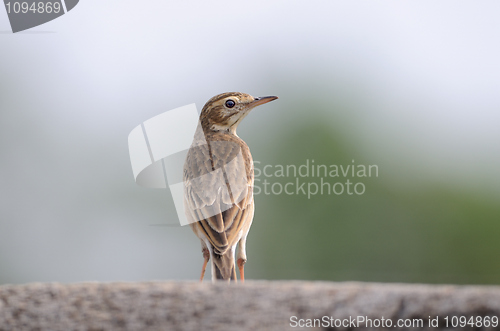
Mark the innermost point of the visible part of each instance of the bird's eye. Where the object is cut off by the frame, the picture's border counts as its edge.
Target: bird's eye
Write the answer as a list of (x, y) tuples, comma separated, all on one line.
[(230, 103)]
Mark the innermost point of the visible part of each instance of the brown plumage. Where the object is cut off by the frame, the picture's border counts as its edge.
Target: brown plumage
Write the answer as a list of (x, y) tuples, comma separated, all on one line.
[(218, 183)]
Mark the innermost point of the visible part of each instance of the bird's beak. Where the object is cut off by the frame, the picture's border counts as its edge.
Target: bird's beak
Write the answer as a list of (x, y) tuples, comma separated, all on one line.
[(262, 100)]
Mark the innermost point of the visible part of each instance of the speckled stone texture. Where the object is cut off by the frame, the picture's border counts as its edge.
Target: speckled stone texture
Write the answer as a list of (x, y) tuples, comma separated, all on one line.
[(250, 306)]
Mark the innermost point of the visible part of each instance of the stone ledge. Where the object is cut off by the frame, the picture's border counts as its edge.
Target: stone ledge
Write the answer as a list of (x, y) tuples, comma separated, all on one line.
[(255, 305)]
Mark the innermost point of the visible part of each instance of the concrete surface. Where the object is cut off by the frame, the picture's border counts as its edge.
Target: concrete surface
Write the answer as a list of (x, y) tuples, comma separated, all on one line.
[(255, 305)]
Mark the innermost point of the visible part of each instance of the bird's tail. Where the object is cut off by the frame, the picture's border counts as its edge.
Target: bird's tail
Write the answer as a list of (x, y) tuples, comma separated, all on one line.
[(223, 267)]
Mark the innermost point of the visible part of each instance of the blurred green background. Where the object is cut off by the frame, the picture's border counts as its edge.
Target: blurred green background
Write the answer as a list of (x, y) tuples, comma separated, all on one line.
[(411, 87)]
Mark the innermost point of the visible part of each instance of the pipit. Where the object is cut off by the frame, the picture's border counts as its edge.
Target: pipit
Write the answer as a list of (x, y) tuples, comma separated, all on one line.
[(218, 184)]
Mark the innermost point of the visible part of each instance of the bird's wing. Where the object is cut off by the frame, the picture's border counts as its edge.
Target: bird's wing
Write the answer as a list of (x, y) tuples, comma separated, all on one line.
[(218, 181)]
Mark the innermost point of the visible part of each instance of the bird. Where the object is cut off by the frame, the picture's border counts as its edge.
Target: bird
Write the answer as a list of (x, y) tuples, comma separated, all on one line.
[(218, 177)]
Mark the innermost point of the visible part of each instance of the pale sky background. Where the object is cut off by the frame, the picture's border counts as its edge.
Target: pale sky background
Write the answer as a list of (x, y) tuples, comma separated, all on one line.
[(426, 76)]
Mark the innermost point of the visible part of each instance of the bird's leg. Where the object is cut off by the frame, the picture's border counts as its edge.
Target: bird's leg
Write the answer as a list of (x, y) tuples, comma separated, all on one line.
[(241, 263), (242, 258), (206, 256)]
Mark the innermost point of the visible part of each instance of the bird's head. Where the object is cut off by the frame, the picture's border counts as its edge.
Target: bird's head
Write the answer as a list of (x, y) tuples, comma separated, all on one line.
[(225, 111)]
